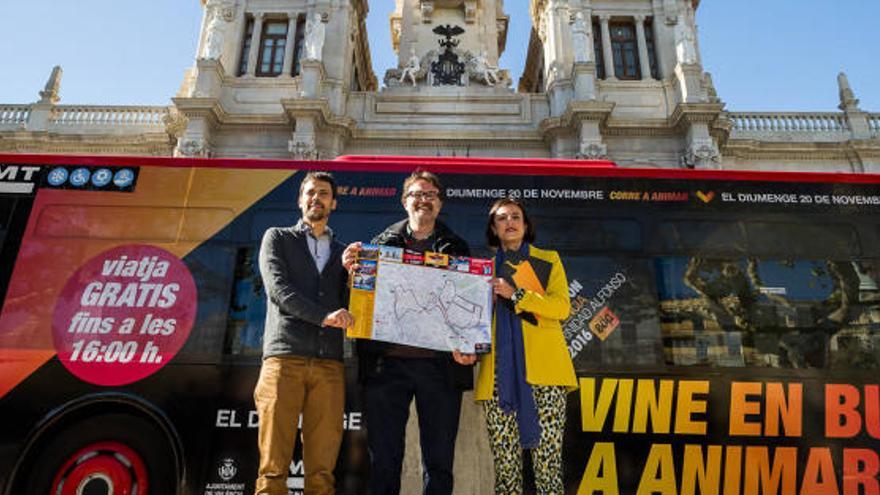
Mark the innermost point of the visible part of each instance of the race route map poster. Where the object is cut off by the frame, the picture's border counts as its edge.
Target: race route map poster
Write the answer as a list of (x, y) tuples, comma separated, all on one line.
[(428, 300)]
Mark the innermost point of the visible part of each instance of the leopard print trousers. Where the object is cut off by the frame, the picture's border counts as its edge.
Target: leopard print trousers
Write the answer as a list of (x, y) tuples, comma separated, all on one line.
[(507, 451)]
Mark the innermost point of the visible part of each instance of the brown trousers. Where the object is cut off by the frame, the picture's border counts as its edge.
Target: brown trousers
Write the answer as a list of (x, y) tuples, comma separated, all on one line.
[(290, 386)]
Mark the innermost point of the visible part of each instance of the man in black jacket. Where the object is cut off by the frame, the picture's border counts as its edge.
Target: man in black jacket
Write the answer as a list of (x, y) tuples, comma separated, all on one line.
[(302, 370), (392, 375)]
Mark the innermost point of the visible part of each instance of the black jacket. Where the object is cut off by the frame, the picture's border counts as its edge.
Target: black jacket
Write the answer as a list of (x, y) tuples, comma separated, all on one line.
[(299, 297), (442, 241)]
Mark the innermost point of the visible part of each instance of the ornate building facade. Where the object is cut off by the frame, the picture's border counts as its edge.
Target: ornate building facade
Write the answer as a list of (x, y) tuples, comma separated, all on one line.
[(293, 79)]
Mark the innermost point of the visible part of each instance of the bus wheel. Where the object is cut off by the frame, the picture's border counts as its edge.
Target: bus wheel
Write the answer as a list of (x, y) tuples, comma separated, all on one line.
[(113, 454), (102, 468)]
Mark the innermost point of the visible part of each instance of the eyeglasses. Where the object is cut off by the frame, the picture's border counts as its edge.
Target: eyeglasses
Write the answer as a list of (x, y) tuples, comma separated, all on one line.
[(423, 195)]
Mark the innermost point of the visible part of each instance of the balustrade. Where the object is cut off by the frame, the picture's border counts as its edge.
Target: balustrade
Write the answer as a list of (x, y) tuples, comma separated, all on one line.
[(14, 114), (766, 122), (874, 123), (66, 115)]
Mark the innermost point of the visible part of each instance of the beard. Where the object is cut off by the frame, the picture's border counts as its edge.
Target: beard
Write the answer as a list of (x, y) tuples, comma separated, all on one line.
[(425, 209), (316, 214)]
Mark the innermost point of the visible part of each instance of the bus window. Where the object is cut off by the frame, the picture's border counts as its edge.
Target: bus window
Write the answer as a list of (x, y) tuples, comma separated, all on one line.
[(791, 240), (768, 312), (247, 307), (699, 236), (591, 234), (776, 239), (613, 319)]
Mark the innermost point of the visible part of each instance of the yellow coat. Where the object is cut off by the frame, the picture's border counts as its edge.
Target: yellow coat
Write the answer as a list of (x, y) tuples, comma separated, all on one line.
[(547, 359)]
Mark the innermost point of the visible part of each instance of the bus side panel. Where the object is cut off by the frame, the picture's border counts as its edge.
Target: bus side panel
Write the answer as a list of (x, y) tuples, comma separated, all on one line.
[(175, 210)]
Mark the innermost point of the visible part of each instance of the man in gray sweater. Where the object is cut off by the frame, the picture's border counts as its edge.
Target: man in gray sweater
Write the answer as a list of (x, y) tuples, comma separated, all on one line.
[(302, 370)]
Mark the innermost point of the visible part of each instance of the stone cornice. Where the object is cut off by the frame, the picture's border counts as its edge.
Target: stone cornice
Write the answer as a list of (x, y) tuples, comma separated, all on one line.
[(870, 146), (640, 128), (749, 149), (577, 112), (273, 119), (416, 99), (447, 144), (154, 144), (319, 109), (466, 108), (212, 110), (693, 113), (206, 108), (420, 137), (588, 110)]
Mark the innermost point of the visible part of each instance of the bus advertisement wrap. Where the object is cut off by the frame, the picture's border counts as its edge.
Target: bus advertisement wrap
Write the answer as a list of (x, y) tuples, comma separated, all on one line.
[(725, 327), (725, 435), (124, 314)]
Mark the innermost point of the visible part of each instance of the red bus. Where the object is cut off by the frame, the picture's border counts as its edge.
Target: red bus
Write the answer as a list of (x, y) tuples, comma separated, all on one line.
[(725, 326)]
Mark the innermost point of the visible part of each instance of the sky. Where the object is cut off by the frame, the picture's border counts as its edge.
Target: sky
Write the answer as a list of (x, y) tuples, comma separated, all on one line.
[(770, 55)]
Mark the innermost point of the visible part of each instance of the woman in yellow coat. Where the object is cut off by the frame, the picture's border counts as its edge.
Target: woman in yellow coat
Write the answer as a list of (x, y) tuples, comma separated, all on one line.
[(524, 380)]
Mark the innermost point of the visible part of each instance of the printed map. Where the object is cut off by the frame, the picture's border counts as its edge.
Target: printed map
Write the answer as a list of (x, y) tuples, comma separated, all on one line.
[(430, 301), (427, 307)]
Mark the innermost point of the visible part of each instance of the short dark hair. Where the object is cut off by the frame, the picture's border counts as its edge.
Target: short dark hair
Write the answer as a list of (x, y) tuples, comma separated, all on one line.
[(492, 238), (320, 175), (424, 175)]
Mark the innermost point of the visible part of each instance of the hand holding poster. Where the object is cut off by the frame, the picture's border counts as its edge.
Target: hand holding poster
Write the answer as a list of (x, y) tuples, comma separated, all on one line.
[(428, 300)]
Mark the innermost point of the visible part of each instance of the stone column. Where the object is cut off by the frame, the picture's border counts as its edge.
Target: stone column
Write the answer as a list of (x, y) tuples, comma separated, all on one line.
[(255, 44), (557, 27), (209, 78), (606, 47), (643, 47), (196, 140), (288, 46), (584, 75), (701, 152), (591, 146), (303, 143)]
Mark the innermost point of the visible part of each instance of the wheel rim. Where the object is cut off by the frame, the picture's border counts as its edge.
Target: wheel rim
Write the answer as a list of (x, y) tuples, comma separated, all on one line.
[(103, 468)]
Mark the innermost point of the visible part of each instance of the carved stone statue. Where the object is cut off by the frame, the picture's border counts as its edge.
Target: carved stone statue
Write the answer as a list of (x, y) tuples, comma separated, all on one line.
[(481, 69), (194, 147), (592, 151), (223, 8), (51, 92), (412, 68), (214, 38), (314, 37), (847, 97), (702, 155), (580, 39), (427, 8), (685, 43), (302, 150)]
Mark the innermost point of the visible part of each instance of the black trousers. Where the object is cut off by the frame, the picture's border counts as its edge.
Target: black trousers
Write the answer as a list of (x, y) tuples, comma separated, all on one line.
[(388, 392)]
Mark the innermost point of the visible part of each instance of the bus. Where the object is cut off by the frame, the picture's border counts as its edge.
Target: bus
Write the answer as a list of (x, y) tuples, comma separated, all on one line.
[(725, 325)]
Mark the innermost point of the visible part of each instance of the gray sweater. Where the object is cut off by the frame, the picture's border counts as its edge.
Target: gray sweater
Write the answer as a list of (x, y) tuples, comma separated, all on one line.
[(299, 297)]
